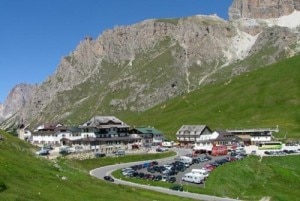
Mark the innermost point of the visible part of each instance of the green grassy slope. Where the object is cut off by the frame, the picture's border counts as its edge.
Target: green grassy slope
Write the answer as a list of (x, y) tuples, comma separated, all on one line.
[(262, 98), (252, 179), (24, 176)]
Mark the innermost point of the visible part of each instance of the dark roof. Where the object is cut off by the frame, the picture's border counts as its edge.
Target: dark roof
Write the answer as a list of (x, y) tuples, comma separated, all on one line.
[(192, 129), (104, 121), (51, 125), (147, 130), (52, 131), (74, 129), (261, 134), (227, 136)]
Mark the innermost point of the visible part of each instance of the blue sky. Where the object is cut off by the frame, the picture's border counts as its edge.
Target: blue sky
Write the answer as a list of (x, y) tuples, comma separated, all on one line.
[(36, 34)]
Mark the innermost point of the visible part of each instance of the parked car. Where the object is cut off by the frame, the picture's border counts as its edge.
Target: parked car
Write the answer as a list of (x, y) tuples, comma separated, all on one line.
[(150, 169), (177, 188), (120, 152), (99, 155), (151, 177), (134, 174), (147, 176), (43, 152), (128, 173), (207, 158), (158, 178), (108, 178), (141, 175), (171, 179), (164, 178), (161, 149), (154, 163)]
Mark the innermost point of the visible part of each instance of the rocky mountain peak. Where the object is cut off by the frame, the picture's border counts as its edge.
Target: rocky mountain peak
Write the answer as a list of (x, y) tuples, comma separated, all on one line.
[(16, 99), (262, 9)]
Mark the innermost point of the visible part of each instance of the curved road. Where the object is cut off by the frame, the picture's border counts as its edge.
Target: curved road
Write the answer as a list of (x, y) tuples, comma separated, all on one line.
[(107, 170)]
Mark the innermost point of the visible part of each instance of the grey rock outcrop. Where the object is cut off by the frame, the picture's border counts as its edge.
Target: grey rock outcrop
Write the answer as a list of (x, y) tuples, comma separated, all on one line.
[(16, 100), (262, 9)]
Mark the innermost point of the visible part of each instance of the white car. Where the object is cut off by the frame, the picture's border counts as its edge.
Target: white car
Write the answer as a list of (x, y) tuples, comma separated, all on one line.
[(42, 152)]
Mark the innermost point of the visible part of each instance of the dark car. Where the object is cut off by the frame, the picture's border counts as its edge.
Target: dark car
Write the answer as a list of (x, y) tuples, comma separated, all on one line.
[(146, 176), (134, 167), (171, 179), (177, 188), (152, 177), (172, 172), (156, 168), (108, 178), (207, 158), (158, 178), (150, 169), (154, 163), (134, 174), (99, 155), (215, 164), (141, 175)]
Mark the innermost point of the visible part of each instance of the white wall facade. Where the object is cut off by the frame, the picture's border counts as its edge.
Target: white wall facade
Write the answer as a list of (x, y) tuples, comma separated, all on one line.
[(257, 139), (53, 138)]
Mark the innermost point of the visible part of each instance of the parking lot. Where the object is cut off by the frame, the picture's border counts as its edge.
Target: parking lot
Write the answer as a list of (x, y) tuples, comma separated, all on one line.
[(173, 172)]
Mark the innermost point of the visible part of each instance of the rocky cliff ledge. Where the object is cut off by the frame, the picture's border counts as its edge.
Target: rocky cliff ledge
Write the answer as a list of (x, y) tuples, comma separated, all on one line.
[(16, 99), (262, 9)]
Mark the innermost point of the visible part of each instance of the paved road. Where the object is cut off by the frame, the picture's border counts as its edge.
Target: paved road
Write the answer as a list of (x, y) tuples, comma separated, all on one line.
[(107, 170)]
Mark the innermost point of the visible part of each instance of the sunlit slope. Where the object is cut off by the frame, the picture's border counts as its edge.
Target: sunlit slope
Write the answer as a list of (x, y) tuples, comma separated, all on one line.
[(26, 177), (265, 97)]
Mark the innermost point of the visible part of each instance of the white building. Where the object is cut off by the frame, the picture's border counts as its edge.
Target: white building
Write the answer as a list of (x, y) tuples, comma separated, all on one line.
[(53, 134), (257, 138), (106, 134), (205, 141), (189, 134)]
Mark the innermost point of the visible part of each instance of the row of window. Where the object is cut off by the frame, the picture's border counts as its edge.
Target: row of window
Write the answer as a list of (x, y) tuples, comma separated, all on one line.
[(111, 135), (105, 130)]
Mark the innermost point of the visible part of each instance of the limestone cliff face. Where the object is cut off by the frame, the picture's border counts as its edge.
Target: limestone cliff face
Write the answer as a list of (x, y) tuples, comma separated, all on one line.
[(1, 109), (194, 42), (262, 9), (16, 100)]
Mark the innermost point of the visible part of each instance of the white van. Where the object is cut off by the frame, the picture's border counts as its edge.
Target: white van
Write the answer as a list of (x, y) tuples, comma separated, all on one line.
[(193, 178), (186, 160), (202, 172)]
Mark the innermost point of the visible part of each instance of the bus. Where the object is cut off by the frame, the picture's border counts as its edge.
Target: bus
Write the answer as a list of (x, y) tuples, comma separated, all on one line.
[(269, 145)]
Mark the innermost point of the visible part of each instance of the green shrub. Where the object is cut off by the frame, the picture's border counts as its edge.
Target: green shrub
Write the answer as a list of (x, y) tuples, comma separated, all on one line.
[(3, 187)]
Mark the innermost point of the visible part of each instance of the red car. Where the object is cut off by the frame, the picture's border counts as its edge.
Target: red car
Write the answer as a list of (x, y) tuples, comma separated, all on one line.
[(209, 167)]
